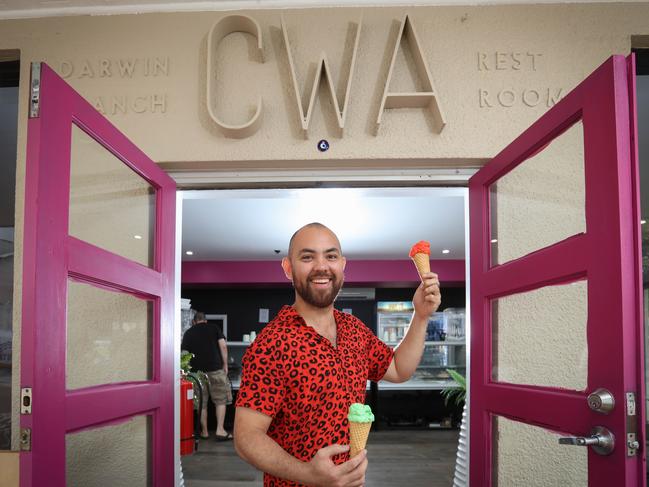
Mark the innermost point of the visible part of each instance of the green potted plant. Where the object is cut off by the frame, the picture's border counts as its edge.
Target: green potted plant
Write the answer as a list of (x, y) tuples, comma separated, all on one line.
[(198, 378), (457, 393), (185, 358)]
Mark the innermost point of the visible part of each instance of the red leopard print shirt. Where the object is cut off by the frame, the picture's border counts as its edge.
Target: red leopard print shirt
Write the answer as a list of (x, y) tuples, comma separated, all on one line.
[(293, 374)]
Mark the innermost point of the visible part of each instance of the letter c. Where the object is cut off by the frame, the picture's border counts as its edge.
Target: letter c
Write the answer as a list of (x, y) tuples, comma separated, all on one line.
[(220, 30)]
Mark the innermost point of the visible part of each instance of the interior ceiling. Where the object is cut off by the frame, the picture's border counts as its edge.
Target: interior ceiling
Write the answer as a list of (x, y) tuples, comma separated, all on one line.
[(46, 8), (371, 223)]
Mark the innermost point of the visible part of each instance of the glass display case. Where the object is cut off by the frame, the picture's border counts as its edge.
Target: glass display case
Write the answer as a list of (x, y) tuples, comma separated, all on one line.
[(445, 346)]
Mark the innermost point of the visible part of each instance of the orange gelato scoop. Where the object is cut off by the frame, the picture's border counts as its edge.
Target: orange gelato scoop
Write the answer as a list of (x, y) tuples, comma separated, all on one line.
[(421, 247)]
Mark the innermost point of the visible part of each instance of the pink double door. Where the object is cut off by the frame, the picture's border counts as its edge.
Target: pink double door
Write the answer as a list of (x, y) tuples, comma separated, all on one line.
[(557, 375), (557, 382)]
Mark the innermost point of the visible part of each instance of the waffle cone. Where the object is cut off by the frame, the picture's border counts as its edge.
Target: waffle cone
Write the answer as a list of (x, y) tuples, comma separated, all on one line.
[(422, 262), (358, 433)]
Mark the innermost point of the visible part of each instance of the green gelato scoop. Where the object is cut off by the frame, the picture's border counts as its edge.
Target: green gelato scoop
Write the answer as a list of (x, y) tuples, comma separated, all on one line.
[(360, 413)]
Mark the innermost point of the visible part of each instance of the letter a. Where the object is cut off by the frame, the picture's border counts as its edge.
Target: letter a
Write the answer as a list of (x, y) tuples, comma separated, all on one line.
[(419, 99)]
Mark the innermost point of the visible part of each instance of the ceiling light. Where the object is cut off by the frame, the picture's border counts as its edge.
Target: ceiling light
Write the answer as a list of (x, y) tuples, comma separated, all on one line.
[(137, 237), (494, 240), (642, 222), (445, 251), (189, 252)]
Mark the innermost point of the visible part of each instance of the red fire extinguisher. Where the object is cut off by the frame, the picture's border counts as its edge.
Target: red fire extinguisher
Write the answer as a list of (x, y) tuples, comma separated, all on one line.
[(186, 417)]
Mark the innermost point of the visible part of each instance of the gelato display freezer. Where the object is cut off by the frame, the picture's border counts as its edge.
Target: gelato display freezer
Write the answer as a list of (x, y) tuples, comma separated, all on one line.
[(445, 346)]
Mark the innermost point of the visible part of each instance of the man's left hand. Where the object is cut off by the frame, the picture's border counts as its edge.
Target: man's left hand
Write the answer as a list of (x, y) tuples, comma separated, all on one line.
[(427, 297)]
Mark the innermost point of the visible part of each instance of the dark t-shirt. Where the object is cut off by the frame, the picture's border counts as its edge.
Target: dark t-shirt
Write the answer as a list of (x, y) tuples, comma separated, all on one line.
[(202, 340)]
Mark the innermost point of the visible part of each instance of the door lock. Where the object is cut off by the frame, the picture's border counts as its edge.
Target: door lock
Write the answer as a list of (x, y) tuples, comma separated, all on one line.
[(26, 400), (601, 401), (601, 440), (632, 443)]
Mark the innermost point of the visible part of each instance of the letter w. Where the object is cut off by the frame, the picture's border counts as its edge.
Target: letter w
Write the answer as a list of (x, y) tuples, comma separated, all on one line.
[(323, 65), (126, 68)]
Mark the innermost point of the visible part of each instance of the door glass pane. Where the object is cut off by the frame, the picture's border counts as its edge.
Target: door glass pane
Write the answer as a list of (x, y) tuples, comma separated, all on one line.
[(109, 337), (539, 337), (541, 201), (111, 455), (110, 205), (532, 456)]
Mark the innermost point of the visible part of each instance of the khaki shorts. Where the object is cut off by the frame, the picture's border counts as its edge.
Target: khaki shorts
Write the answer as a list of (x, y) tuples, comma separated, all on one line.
[(219, 388)]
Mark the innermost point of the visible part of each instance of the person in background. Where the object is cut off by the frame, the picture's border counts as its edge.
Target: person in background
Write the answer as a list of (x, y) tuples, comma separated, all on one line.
[(207, 342), (309, 364)]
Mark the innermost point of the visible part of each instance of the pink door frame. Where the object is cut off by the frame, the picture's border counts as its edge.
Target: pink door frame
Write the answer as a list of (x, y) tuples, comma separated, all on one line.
[(51, 256), (607, 255)]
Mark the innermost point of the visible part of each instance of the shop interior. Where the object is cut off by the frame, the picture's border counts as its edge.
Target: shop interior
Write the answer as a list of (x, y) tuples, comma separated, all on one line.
[(232, 245), (376, 226)]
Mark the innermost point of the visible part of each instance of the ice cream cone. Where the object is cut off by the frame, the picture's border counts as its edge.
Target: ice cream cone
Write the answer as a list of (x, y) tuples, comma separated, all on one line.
[(422, 262), (358, 433), (360, 419), (420, 255)]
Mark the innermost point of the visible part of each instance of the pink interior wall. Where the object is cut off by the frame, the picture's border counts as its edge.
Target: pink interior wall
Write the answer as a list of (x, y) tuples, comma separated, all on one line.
[(359, 272)]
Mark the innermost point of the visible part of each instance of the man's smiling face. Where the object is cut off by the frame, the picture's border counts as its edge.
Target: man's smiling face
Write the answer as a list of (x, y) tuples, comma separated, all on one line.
[(315, 265)]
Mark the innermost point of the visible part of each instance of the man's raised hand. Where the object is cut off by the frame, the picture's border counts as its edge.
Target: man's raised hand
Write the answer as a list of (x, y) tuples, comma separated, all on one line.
[(427, 297)]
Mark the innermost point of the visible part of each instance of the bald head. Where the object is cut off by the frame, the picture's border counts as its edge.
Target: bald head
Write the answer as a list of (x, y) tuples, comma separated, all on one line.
[(309, 226), (315, 265)]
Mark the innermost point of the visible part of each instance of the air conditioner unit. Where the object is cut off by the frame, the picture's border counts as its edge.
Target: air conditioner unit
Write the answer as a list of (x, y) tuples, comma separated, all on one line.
[(356, 294)]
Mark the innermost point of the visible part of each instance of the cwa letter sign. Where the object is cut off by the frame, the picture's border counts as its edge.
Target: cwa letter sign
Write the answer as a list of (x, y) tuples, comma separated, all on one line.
[(421, 99)]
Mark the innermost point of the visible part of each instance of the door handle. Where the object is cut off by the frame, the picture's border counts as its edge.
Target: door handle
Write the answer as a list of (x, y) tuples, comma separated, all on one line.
[(601, 440)]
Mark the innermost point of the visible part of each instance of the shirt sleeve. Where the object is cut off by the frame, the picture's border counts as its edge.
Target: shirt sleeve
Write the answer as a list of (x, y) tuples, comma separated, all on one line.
[(379, 357), (219, 333), (262, 378)]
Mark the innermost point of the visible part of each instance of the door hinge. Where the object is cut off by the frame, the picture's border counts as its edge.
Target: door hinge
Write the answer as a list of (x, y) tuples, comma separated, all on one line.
[(25, 439), (632, 443), (35, 91), (26, 400)]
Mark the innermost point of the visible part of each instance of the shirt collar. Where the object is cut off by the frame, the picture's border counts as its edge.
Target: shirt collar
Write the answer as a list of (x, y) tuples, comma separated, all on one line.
[(294, 317)]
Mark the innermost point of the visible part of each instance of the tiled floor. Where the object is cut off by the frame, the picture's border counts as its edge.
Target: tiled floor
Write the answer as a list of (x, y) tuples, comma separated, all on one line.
[(412, 458)]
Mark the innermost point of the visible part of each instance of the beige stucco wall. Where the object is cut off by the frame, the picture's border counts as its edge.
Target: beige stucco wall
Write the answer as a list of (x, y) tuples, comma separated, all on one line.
[(540, 337), (531, 456), (110, 206), (108, 337), (118, 454), (542, 201), (468, 49), (495, 69)]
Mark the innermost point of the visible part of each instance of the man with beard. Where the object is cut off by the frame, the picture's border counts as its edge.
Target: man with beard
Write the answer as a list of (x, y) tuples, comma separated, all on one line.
[(309, 364)]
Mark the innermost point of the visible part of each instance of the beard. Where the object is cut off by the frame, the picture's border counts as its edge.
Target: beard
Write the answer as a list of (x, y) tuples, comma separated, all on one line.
[(316, 297)]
